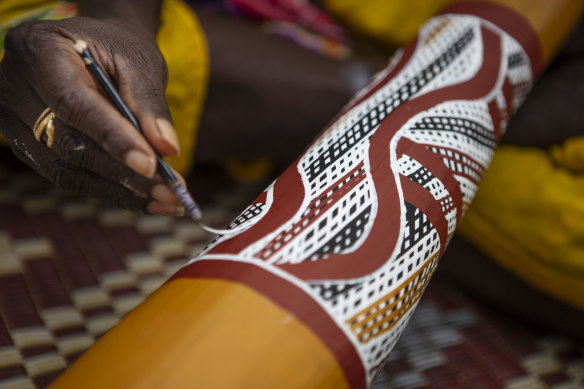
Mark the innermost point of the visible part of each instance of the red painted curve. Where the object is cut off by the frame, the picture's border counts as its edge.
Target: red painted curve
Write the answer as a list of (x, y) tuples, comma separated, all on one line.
[(434, 164), (288, 197), (384, 234)]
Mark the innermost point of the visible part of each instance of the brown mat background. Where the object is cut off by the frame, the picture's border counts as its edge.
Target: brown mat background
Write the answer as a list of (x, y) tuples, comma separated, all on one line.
[(71, 267)]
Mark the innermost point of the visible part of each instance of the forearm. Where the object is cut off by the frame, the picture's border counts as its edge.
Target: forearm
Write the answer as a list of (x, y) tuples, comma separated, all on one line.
[(141, 14)]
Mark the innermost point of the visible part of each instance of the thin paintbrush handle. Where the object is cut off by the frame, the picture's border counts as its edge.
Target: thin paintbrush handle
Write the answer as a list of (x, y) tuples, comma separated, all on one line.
[(164, 169), (105, 82)]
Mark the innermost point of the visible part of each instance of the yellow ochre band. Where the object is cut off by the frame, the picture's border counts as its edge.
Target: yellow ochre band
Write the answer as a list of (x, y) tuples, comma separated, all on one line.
[(206, 333)]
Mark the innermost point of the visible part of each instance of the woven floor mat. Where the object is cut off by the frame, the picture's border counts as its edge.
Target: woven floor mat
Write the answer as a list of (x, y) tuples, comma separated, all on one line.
[(71, 267)]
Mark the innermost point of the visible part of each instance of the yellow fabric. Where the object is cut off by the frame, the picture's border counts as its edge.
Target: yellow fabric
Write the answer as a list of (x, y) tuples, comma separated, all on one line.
[(529, 216), (13, 9), (249, 170), (13, 13), (394, 22), (570, 154), (182, 43)]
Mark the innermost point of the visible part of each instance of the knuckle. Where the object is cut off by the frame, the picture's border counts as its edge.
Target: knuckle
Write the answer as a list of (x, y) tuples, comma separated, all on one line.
[(13, 39), (150, 92), (152, 57), (38, 29), (111, 141), (66, 103), (68, 179), (151, 96), (130, 202), (72, 147), (80, 182), (27, 37), (148, 64), (16, 36), (69, 107)]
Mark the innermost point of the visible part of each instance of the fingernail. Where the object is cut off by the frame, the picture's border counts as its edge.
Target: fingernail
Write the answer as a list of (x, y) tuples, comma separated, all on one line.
[(163, 194), (168, 134), (141, 163), (158, 208)]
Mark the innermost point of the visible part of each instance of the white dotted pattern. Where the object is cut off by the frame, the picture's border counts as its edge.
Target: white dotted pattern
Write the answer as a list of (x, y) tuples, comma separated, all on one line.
[(372, 310)]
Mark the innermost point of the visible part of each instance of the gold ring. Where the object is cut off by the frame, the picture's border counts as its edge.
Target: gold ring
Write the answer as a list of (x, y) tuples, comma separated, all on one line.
[(45, 123)]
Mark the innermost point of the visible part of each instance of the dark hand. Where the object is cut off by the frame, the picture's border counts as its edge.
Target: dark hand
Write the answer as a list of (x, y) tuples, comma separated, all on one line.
[(96, 151)]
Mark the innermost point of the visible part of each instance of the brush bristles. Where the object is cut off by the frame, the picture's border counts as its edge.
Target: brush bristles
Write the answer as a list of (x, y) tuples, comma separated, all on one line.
[(80, 46), (191, 208)]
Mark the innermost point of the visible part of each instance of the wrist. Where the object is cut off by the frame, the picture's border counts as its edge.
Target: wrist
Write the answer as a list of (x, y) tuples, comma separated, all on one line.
[(143, 17)]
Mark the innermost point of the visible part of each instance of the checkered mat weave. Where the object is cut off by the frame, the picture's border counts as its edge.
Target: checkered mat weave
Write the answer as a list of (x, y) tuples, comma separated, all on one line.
[(71, 267)]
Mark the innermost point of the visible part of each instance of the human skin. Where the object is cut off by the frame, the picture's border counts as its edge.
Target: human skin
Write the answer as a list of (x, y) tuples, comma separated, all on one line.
[(96, 151)]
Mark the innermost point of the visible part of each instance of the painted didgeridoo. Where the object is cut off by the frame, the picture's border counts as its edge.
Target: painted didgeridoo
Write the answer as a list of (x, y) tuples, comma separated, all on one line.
[(336, 253)]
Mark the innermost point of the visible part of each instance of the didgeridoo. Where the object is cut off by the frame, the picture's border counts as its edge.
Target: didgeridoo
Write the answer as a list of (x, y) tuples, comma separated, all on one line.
[(336, 253)]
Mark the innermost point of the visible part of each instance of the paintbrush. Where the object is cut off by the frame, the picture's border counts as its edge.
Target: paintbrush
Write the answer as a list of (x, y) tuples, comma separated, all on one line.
[(185, 198)]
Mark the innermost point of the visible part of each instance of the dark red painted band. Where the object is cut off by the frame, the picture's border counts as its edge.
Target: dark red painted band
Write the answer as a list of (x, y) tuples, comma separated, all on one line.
[(374, 251), (420, 198), (287, 200), (384, 233), (407, 53), (434, 164)]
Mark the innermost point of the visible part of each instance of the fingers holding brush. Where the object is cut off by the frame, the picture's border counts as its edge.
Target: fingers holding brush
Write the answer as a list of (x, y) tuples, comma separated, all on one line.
[(76, 163), (83, 153), (40, 60), (93, 65), (143, 92), (47, 93)]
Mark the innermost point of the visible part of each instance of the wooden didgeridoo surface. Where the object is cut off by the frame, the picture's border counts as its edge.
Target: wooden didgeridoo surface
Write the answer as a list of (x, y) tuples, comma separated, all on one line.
[(337, 252)]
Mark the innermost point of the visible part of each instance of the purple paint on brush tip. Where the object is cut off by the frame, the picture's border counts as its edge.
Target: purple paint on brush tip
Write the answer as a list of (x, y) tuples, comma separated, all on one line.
[(191, 208), (196, 215)]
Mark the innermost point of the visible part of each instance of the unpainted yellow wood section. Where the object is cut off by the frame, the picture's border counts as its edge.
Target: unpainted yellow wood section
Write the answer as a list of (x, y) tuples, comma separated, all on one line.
[(551, 19), (202, 333)]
